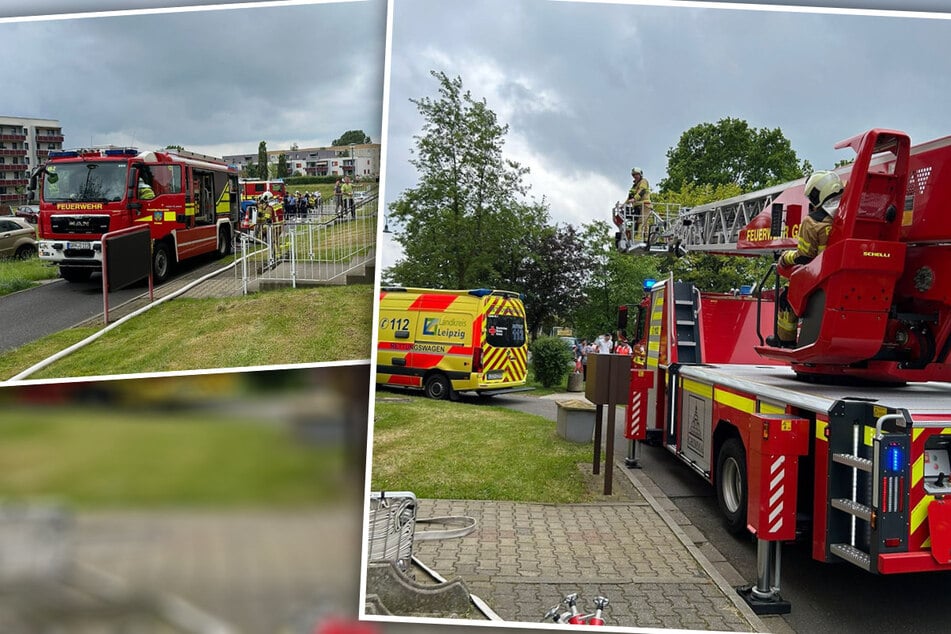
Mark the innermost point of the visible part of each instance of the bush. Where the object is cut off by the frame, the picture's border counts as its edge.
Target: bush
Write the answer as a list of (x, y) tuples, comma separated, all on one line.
[(551, 360)]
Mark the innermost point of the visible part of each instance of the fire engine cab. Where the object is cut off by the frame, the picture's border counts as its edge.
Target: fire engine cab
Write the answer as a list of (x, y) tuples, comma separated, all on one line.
[(844, 439), (188, 201)]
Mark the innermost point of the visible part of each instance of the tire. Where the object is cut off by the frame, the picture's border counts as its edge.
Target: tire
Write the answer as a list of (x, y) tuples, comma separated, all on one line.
[(225, 243), (438, 387), (732, 486), (25, 252), (75, 274), (161, 262)]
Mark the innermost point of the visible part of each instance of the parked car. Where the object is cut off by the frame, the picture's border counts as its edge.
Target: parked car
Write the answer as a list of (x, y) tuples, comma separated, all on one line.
[(30, 213), (17, 237)]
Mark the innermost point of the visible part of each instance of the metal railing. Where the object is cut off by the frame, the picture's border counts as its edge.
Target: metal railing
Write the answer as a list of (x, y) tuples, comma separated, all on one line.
[(325, 246)]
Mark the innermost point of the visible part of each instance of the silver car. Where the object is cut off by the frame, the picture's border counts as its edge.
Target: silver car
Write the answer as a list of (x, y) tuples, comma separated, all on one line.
[(17, 238)]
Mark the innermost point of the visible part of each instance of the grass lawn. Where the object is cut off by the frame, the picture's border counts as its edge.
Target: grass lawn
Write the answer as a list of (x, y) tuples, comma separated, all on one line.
[(285, 326), (16, 275), (452, 450), (97, 458)]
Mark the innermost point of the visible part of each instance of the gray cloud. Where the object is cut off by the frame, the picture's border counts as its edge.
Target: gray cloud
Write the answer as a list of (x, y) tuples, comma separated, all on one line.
[(591, 89), (215, 79)]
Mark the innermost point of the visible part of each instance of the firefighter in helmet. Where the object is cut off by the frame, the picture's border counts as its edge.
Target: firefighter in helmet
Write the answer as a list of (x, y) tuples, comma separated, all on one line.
[(145, 190), (639, 199), (824, 191)]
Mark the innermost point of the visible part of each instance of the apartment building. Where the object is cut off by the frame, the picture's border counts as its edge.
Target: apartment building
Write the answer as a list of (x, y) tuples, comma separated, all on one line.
[(359, 161), (25, 142)]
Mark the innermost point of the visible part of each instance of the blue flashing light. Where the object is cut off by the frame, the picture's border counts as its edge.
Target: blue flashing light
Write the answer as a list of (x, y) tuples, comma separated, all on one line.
[(649, 284), (123, 152), (480, 292), (894, 458), (746, 289), (64, 154)]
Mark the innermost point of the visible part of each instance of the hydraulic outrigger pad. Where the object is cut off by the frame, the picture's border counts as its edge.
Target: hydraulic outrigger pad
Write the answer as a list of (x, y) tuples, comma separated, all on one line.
[(772, 604)]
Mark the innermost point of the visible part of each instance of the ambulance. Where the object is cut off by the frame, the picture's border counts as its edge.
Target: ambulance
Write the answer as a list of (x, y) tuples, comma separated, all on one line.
[(444, 341)]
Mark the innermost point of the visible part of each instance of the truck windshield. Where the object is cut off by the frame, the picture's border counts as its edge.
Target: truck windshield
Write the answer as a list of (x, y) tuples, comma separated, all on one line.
[(89, 181), (505, 331)]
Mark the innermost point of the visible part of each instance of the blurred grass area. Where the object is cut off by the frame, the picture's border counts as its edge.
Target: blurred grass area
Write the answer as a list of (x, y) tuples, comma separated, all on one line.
[(16, 275), (303, 325), (96, 458), (453, 450)]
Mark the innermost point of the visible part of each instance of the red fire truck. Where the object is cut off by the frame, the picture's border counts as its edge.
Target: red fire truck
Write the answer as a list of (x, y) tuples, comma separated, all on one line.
[(252, 188), (844, 440), (189, 201)]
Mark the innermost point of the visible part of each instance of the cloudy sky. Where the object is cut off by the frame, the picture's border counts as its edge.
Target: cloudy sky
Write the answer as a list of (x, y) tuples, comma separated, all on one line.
[(590, 90), (214, 80)]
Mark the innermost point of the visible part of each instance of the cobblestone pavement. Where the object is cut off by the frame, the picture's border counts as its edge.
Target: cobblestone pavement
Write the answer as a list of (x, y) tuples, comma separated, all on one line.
[(524, 558)]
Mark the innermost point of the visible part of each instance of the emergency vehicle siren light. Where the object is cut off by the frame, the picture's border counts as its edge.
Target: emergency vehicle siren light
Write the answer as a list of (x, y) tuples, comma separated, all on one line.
[(893, 457), (63, 154), (649, 284), (480, 292), (122, 152)]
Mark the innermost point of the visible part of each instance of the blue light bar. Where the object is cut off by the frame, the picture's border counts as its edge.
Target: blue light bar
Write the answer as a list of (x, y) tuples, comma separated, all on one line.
[(480, 292), (894, 458), (122, 152), (63, 154), (649, 284)]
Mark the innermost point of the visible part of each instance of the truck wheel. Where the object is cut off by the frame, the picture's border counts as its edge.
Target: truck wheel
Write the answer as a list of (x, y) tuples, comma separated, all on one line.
[(161, 262), (731, 485), (75, 274), (225, 245), (438, 387)]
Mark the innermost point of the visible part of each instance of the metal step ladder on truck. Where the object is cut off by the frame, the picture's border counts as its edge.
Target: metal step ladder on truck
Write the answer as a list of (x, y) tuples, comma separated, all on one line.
[(844, 440), (189, 202)]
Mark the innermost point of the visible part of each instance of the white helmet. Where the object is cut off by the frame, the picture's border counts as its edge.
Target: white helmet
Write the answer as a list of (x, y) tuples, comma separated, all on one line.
[(823, 190), (637, 170)]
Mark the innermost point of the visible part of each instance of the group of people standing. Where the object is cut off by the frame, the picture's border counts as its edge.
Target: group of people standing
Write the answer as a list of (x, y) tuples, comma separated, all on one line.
[(300, 204), (603, 344)]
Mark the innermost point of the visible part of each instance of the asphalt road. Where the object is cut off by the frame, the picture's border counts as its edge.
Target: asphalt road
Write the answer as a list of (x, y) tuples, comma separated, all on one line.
[(54, 306), (825, 597), (51, 307)]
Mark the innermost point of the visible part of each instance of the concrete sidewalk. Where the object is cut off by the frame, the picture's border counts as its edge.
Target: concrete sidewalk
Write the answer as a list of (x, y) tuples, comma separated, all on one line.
[(524, 558)]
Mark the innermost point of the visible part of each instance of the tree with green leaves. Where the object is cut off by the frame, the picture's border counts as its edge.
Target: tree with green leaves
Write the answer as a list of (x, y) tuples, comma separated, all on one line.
[(730, 151), (615, 279), (283, 171), (466, 221), (552, 274), (175, 147), (262, 160), (357, 137)]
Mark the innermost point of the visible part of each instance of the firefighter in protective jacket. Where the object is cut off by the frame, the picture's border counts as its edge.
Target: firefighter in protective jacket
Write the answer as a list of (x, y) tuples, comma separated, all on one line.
[(824, 190), (639, 197)]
